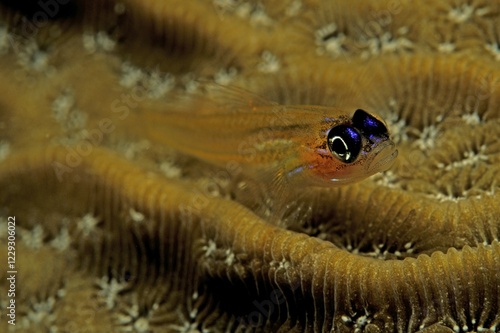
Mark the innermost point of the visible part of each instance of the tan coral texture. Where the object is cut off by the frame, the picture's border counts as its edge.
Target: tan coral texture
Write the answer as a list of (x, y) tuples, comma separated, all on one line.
[(116, 231)]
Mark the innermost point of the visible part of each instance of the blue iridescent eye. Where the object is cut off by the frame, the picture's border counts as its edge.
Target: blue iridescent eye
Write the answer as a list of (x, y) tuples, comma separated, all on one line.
[(369, 125), (344, 142)]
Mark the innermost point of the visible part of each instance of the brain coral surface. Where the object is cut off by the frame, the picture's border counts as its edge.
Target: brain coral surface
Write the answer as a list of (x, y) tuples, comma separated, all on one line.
[(119, 230)]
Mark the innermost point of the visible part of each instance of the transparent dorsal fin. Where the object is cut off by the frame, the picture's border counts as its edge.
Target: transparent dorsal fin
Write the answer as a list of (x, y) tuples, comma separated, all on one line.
[(233, 96)]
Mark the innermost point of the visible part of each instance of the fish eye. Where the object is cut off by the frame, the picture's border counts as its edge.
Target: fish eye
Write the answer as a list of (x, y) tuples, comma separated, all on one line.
[(368, 124), (344, 142)]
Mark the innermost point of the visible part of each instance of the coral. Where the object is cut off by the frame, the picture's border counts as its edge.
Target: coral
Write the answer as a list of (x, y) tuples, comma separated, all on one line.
[(116, 232)]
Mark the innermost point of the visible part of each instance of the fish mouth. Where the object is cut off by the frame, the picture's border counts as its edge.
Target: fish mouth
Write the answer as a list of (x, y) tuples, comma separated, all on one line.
[(383, 157)]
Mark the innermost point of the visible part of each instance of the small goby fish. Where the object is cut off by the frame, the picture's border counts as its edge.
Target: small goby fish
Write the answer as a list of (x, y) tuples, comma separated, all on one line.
[(282, 145)]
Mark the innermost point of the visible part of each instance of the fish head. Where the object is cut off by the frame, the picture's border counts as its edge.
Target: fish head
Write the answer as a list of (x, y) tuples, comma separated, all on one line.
[(352, 151)]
